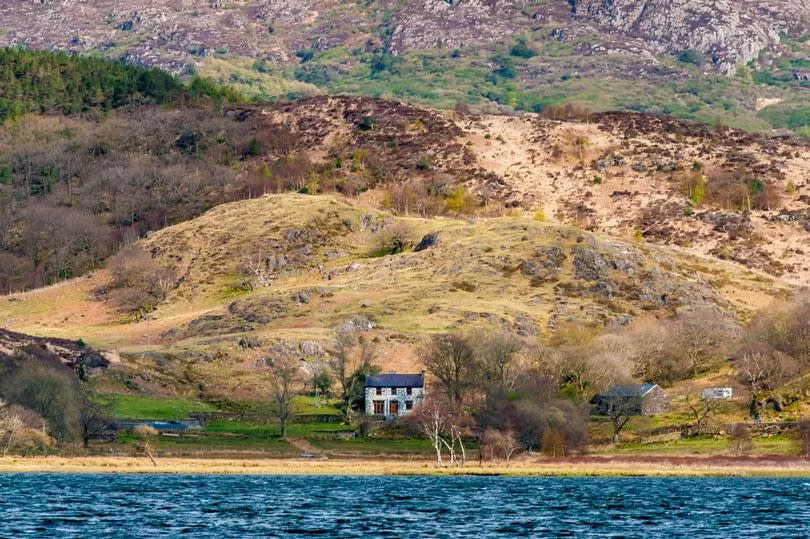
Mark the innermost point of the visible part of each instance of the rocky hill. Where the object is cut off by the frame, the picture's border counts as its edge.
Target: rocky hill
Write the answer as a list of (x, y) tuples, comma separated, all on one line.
[(627, 175), (74, 354), (697, 58), (322, 256)]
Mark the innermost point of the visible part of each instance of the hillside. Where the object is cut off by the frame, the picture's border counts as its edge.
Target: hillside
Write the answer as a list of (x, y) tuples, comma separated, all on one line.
[(743, 62), (516, 274), (622, 174)]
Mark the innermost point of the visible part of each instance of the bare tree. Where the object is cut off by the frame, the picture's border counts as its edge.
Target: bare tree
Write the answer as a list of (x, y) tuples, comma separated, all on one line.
[(449, 358), (701, 409), (10, 426), (803, 432), (144, 445), (256, 270), (703, 337), (351, 374), (497, 444), (432, 419), (761, 369), (740, 440), (287, 379), (394, 238), (93, 420), (496, 353)]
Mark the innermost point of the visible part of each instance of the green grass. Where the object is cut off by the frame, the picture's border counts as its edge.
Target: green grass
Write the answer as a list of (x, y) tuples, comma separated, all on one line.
[(259, 431), (305, 405), (782, 445), (156, 408)]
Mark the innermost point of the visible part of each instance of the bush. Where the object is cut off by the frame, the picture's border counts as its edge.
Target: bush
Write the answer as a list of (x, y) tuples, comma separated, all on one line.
[(522, 50), (691, 56)]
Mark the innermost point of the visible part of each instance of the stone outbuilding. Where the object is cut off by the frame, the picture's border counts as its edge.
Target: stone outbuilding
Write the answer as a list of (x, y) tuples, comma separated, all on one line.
[(393, 395), (643, 399)]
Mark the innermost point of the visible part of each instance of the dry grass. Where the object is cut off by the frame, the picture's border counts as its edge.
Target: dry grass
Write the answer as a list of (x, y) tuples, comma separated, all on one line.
[(473, 274), (529, 467)]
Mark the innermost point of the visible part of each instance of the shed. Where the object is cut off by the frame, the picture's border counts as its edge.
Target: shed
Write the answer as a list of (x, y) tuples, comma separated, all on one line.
[(642, 399)]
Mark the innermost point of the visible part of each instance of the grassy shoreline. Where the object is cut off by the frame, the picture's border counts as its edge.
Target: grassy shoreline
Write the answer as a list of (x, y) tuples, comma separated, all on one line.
[(573, 467)]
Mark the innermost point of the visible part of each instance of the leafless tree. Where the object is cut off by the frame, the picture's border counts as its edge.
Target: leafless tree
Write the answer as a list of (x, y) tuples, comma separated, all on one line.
[(393, 238), (703, 336), (803, 432), (497, 444), (287, 379), (432, 419), (10, 426), (740, 439), (496, 352), (450, 359), (93, 419), (700, 409), (761, 369), (144, 444), (256, 270)]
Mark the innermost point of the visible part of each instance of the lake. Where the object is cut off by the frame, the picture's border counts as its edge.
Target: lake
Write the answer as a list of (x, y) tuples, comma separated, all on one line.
[(238, 506)]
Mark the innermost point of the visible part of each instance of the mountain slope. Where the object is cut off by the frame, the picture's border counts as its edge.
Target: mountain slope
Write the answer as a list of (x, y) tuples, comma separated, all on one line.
[(685, 57), (622, 174), (516, 274)]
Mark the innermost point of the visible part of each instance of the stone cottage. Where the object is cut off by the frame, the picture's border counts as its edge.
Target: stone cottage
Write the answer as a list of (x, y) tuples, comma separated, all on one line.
[(644, 399), (393, 395)]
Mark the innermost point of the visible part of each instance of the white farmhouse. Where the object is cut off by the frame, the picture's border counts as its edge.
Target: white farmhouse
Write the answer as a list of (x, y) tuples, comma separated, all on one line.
[(717, 393), (393, 395)]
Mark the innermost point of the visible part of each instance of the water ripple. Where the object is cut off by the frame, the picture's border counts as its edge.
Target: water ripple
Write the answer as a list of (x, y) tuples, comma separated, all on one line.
[(49, 505)]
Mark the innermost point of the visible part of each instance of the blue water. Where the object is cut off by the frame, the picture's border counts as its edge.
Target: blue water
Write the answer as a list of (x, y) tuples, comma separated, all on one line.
[(238, 506)]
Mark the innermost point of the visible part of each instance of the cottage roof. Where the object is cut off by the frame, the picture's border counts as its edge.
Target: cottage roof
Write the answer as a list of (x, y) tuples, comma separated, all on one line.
[(395, 380), (629, 391)]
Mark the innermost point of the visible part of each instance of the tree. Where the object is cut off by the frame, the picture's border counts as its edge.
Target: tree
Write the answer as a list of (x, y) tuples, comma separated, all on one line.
[(144, 444), (740, 439), (10, 425), (450, 359), (761, 369), (432, 418), (93, 420), (52, 392), (701, 409), (803, 433), (394, 238), (619, 410), (499, 444), (286, 379), (496, 354), (351, 380)]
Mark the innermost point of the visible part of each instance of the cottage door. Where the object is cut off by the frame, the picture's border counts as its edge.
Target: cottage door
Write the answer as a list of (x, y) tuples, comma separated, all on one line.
[(393, 408)]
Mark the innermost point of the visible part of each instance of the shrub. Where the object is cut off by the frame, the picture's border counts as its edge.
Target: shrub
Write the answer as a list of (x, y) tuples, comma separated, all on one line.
[(690, 56), (305, 55), (522, 50), (540, 215)]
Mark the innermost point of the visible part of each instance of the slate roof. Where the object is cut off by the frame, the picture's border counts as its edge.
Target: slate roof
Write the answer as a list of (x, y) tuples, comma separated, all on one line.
[(395, 380), (628, 391)]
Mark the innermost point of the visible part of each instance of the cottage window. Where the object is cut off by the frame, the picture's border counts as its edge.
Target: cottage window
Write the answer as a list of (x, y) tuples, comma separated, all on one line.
[(393, 391), (409, 405), (393, 408), (379, 391), (409, 391), (379, 407)]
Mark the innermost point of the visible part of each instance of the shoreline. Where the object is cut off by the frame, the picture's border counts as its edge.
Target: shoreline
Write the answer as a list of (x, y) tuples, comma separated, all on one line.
[(682, 466)]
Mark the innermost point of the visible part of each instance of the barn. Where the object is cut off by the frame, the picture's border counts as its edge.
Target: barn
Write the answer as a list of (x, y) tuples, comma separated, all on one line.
[(642, 399)]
